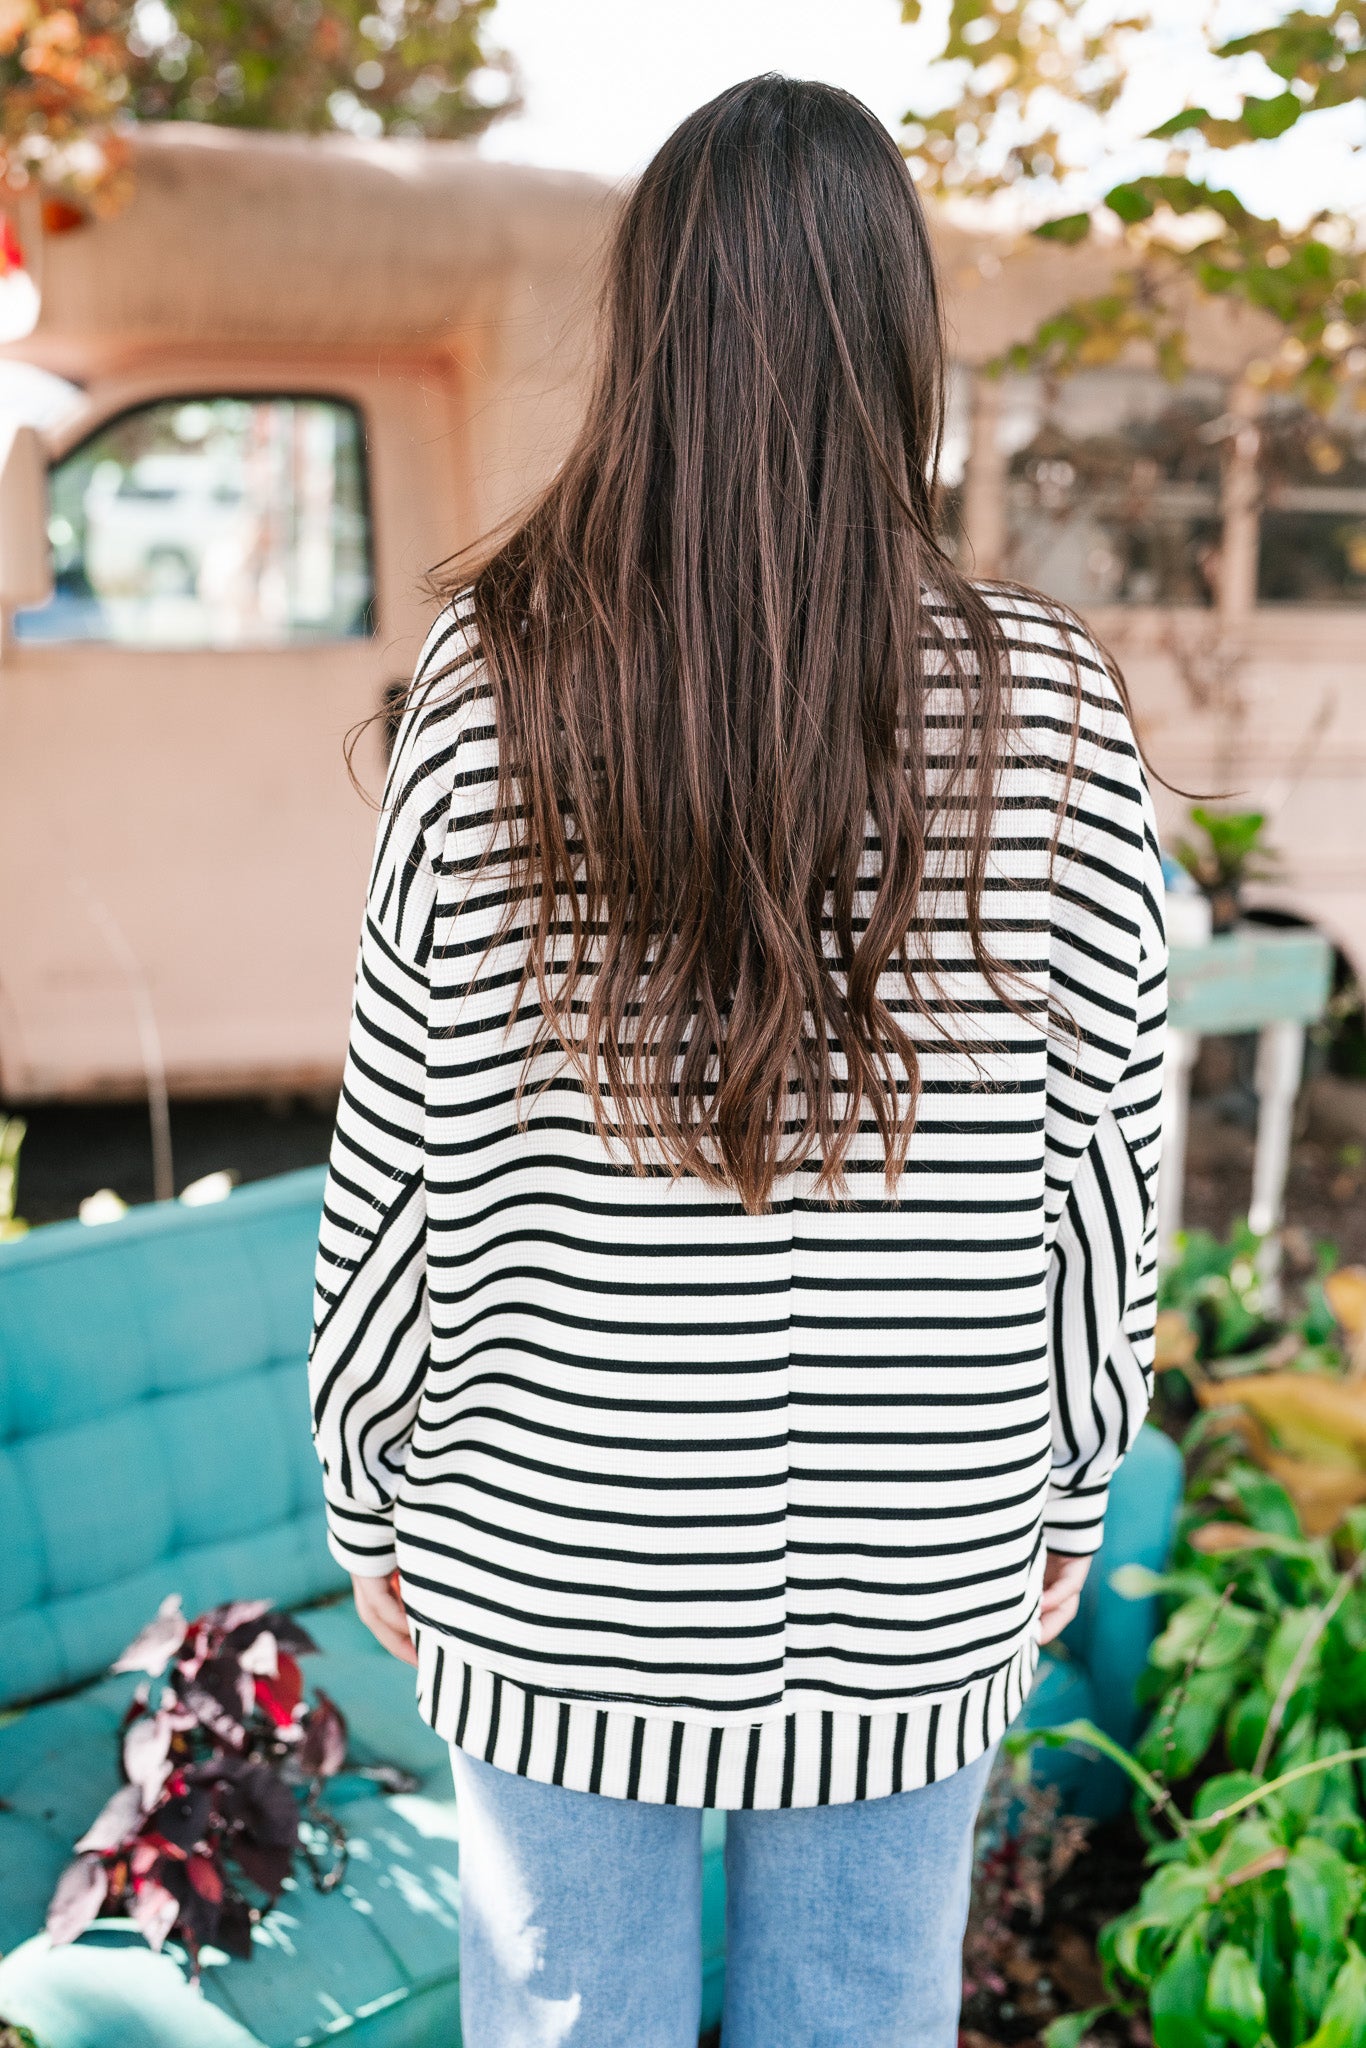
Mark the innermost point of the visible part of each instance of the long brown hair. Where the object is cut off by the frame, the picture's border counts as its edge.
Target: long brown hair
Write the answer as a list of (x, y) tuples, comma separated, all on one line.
[(709, 647)]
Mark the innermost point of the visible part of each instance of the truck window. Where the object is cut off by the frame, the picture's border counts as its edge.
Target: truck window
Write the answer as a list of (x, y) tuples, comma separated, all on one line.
[(1313, 520), (1113, 490), (211, 522)]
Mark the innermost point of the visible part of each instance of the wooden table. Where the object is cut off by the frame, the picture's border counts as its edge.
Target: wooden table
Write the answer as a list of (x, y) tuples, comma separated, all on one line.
[(1259, 978)]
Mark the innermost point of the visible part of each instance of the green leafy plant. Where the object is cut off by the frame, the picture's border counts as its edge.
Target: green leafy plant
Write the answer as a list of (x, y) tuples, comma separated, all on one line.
[(1251, 1929), (1037, 105), (1293, 1388), (74, 72), (1263, 1644), (403, 66), (1216, 1288), (1231, 851), (1214, 1321)]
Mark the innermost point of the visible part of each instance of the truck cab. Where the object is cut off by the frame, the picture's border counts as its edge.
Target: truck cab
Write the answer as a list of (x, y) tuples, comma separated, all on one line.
[(286, 382)]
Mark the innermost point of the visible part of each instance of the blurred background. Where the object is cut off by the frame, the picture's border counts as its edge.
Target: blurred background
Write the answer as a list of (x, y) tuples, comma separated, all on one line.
[(298, 301)]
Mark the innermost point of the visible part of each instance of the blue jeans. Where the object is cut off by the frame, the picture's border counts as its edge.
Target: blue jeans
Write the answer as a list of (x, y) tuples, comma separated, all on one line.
[(580, 1922)]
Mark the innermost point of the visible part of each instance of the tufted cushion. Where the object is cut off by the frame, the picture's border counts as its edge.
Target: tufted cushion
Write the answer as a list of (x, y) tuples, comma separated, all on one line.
[(153, 1425)]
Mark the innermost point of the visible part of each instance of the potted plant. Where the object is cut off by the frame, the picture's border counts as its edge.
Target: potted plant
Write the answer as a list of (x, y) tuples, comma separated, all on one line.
[(1230, 852)]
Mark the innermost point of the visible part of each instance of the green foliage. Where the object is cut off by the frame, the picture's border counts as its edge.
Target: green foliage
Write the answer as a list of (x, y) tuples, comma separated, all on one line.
[(1069, 2031), (1231, 851), (1344, 2013), (392, 66), (1011, 65), (1020, 57), (1070, 229), (1093, 331), (71, 75), (1218, 1287), (1234, 1999), (1212, 1291), (1324, 54), (1250, 1931)]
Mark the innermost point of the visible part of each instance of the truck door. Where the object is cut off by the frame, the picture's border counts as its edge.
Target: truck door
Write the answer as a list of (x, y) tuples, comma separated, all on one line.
[(179, 839)]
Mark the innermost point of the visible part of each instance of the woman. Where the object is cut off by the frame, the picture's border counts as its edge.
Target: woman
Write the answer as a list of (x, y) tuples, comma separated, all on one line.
[(736, 1280)]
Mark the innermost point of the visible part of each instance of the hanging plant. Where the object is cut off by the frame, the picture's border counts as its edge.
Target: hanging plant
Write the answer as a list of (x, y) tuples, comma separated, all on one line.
[(197, 1842)]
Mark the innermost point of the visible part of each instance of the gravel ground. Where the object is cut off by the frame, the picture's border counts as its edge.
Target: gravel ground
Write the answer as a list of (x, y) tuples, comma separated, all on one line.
[(1325, 1194), (72, 1149)]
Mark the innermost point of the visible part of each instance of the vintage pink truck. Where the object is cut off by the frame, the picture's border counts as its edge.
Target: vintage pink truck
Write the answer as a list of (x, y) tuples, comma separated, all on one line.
[(295, 373)]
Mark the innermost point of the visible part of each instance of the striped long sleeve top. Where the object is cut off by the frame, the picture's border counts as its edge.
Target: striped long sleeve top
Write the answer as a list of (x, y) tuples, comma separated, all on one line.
[(738, 1510)]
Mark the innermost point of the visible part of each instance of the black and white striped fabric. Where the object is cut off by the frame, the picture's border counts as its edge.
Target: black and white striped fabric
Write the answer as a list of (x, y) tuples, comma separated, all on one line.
[(690, 1505)]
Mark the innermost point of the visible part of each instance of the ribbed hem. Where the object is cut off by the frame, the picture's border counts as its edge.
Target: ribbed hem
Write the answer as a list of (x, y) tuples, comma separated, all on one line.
[(361, 1539), (813, 1757), (1074, 1521)]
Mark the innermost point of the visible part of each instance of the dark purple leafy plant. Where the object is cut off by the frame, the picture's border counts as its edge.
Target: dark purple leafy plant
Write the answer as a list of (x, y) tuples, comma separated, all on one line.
[(200, 1838)]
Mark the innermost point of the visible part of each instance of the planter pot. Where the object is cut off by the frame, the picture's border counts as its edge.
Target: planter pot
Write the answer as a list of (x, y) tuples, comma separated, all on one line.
[(1225, 908)]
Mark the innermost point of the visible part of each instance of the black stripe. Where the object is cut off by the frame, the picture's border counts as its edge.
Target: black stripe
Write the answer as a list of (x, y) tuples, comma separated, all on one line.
[(637, 1748), (675, 1759), (495, 1712), (751, 1765), (713, 1766), (789, 1759)]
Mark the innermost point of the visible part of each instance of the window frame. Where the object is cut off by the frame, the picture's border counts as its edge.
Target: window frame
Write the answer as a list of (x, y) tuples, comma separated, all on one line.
[(208, 394), (987, 483), (1269, 501), (1105, 505)]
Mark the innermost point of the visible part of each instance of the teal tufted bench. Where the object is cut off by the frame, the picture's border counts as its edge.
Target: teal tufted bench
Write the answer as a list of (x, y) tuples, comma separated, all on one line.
[(154, 1439)]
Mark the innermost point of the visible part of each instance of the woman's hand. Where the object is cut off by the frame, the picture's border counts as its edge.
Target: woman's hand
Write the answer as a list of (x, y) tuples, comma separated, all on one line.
[(380, 1607), (1063, 1579)]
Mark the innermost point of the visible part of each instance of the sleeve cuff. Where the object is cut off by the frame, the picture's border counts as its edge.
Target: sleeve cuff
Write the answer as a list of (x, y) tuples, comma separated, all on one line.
[(361, 1540), (1074, 1519)]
